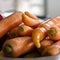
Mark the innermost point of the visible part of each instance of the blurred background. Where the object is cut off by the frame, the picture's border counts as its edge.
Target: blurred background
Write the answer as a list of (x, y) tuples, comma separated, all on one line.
[(40, 8)]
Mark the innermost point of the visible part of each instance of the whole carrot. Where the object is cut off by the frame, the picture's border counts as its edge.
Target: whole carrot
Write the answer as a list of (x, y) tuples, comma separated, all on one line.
[(54, 49), (37, 37), (2, 54), (22, 30), (10, 22), (44, 44), (31, 15), (54, 33), (17, 46), (30, 21)]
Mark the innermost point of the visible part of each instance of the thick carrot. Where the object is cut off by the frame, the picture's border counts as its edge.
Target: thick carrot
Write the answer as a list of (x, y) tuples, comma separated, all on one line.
[(31, 15), (10, 22), (30, 21), (46, 26), (22, 30), (18, 46), (54, 33)]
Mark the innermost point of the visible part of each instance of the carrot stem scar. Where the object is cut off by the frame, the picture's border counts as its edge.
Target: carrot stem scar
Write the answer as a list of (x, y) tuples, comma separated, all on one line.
[(8, 50), (52, 32)]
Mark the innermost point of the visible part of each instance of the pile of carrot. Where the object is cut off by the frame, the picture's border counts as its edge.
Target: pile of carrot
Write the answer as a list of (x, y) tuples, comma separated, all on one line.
[(26, 32)]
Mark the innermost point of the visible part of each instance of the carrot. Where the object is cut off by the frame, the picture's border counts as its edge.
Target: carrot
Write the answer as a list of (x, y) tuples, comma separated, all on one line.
[(2, 54), (30, 21), (37, 37), (46, 43), (54, 49), (31, 15), (54, 33), (22, 30), (18, 46), (10, 22)]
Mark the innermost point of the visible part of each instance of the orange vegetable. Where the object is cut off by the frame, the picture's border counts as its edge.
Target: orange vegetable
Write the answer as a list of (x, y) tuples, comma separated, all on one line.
[(2, 54), (30, 21), (10, 22), (31, 16), (54, 49), (18, 46), (22, 30), (54, 33), (37, 37), (46, 43)]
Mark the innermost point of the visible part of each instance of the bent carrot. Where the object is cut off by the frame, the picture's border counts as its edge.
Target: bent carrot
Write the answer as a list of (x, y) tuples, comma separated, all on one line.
[(38, 35), (31, 15), (46, 26), (18, 46), (30, 22), (10, 22), (54, 33)]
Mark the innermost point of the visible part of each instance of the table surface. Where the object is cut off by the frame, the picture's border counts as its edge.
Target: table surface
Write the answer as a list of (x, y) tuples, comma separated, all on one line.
[(40, 58)]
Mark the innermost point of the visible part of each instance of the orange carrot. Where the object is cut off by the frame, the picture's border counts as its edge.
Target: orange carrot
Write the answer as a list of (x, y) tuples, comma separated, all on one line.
[(54, 49), (31, 15), (37, 35), (18, 46), (46, 43), (2, 54), (22, 30), (54, 33), (10, 22), (30, 21), (46, 26)]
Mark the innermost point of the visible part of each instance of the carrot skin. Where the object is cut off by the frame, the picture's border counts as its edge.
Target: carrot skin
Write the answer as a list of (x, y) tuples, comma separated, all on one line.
[(10, 22), (18, 46)]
